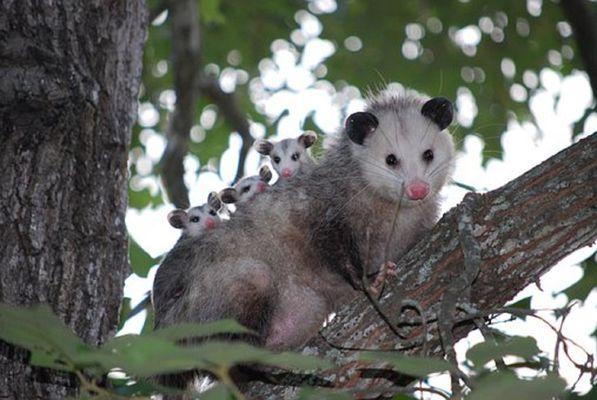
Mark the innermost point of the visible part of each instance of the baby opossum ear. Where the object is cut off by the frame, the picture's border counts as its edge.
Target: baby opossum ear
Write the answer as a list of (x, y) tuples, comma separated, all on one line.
[(359, 125), (229, 195), (307, 139), (263, 146), (213, 201), (439, 110), (178, 218), (265, 174)]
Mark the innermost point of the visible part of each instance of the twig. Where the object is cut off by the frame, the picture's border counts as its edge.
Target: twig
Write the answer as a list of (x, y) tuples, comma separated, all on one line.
[(186, 57), (232, 112)]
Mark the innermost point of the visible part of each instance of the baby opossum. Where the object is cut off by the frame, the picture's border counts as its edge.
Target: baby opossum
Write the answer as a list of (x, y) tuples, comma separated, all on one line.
[(247, 188), (197, 220), (281, 266), (289, 156)]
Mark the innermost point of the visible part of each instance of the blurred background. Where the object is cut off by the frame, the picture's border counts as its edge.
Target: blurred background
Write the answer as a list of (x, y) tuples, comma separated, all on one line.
[(219, 74)]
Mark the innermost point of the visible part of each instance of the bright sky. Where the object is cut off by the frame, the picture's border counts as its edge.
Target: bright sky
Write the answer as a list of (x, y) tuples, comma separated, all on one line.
[(558, 103)]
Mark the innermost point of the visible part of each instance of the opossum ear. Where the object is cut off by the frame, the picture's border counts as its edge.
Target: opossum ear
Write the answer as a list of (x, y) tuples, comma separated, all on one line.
[(359, 125), (263, 146), (440, 111), (307, 139), (229, 195), (265, 174), (178, 218), (213, 201)]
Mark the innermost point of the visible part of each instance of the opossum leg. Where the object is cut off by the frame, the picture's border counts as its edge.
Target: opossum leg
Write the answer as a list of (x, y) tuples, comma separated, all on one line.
[(387, 269), (243, 292)]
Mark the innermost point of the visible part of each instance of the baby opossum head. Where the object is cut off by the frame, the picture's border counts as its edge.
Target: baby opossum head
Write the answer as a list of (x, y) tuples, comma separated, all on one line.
[(248, 187), (287, 155), (197, 220), (402, 146)]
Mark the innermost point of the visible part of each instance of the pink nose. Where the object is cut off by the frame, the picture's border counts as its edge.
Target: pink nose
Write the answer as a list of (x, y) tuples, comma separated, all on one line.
[(261, 187), (417, 190), (210, 223), (286, 173)]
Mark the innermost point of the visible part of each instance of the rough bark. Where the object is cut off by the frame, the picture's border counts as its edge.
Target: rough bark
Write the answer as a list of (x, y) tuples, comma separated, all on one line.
[(69, 77), (582, 15), (186, 61), (516, 233)]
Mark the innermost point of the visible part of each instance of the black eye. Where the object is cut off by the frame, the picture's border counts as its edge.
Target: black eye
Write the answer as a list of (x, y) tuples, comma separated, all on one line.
[(212, 212), (428, 156), (295, 156), (276, 159), (245, 189), (391, 160), (194, 219)]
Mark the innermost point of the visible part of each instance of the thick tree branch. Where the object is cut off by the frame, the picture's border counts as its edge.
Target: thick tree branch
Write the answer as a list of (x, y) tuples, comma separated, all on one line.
[(582, 16), (513, 235), (229, 107), (186, 58)]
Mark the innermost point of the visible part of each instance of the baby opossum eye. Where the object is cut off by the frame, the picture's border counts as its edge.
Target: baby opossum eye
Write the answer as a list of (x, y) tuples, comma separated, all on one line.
[(428, 156), (295, 156), (212, 212), (245, 189), (276, 159), (194, 219), (391, 160)]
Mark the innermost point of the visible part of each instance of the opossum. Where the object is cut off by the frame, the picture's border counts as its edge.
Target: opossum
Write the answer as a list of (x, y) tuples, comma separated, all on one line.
[(247, 188), (289, 157), (282, 265), (197, 220)]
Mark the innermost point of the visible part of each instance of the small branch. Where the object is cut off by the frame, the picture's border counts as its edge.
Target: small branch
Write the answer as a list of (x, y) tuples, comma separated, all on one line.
[(236, 118), (582, 16), (186, 57)]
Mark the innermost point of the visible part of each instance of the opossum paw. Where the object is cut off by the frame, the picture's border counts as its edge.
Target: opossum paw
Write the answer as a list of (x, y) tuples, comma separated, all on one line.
[(387, 269)]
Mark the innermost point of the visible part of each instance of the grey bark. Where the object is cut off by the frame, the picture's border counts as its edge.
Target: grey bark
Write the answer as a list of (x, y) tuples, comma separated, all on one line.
[(519, 232), (69, 77)]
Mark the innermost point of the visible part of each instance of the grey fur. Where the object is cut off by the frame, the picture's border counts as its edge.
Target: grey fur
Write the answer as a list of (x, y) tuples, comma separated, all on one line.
[(288, 260)]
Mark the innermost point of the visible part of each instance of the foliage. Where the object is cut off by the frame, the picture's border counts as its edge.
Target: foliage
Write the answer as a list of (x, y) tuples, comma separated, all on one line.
[(129, 361), (53, 345)]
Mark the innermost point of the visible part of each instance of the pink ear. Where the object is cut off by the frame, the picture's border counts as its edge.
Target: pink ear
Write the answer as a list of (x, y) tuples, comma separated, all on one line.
[(178, 218)]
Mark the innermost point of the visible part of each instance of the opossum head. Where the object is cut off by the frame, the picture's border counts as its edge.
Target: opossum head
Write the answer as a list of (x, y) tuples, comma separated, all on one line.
[(247, 188), (197, 220), (287, 155), (402, 146)]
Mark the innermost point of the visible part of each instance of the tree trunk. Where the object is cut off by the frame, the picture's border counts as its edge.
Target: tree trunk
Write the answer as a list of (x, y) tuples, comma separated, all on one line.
[(480, 255), (69, 78)]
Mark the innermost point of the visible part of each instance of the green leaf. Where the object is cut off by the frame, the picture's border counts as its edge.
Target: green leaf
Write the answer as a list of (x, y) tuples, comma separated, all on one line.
[(125, 309), (500, 385), (482, 353), (414, 366), (141, 261), (139, 199), (38, 329), (227, 354), (144, 356), (210, 12), (583, 287), (189, 330)]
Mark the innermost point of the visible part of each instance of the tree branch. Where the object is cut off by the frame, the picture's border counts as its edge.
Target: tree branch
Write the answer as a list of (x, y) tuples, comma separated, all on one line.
[(228, 105), (186, 58), (519, 231), (582, 16)]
